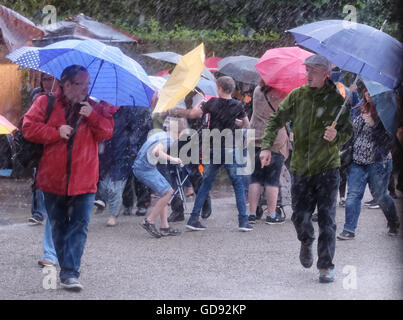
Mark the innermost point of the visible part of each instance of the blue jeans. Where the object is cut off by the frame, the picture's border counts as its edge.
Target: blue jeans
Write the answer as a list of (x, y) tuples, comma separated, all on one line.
[(38, 209), (377, 176), (49, 251), (69, 218), (111, 192), (210, 172)]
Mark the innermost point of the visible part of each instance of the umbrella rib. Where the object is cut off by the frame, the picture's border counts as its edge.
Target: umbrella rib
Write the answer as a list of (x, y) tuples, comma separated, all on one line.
[(116, 87)]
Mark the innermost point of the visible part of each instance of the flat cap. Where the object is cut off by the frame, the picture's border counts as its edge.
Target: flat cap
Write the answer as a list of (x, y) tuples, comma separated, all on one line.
[(319, 62)]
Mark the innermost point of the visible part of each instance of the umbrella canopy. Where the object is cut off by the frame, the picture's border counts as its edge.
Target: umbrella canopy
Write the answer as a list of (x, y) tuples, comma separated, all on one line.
[(240, 68), (115, 77), (208, 87), (212, 63), (282, 68), (6, 127), (183, 79), (83, 27), (173, 57), (355, 47), (386, 105)]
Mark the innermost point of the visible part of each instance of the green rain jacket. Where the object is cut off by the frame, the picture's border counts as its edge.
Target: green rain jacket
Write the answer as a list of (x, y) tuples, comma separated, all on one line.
[(311, 110)]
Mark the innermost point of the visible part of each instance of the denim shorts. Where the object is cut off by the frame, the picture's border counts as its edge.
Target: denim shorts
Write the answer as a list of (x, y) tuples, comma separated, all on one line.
[(268, 175), (153, 179)]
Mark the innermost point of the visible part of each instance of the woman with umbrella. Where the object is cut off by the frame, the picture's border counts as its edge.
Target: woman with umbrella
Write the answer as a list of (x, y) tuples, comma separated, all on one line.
[(372, 164)]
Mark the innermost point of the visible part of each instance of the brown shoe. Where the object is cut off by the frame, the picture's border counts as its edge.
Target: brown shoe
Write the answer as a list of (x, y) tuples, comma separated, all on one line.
[(45, 263)]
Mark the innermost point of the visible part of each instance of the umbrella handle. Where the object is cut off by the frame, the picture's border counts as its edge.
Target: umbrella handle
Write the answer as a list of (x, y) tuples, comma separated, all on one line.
[(334, 123)]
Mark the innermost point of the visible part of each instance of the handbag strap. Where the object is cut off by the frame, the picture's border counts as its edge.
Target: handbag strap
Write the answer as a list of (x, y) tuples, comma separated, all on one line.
[(268, 102)]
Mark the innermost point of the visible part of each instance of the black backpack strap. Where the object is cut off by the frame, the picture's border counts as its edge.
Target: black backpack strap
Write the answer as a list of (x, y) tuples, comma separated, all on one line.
[(268, 102), (49, 106)]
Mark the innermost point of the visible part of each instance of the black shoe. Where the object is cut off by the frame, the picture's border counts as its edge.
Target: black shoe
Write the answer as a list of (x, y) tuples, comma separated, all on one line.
[(150, 228), (346, 235), (393, 229), (195, 225), (315, 217), (206, 210), (141, 211), (370, 203), (252, 218), (342, 203), (305, 255), (278, 219), (176, 216), (35, 220), (127, 211), (165, 232), (326, 275), (72, 284), (245, 227)]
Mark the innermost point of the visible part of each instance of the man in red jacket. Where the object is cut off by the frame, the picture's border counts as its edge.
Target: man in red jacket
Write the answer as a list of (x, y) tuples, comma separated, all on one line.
[(68, 170)]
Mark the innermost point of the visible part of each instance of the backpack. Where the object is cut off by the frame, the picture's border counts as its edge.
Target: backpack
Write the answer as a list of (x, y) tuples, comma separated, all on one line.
[(26, 153)]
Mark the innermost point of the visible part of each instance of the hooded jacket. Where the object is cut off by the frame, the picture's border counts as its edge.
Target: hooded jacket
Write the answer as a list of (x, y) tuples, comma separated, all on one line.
[(61, 171), (311, 110)]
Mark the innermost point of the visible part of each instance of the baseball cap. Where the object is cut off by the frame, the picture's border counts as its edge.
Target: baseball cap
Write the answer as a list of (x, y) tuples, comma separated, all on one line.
[(319, 62)]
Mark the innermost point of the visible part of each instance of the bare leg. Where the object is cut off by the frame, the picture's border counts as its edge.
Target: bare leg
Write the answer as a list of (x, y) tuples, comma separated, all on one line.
[(271, 198), (159, 208), (255, 190)]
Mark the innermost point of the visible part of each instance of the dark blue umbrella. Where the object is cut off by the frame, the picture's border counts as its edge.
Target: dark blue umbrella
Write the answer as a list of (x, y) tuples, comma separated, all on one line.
[(355, 47), (115, 77), (386, 105)]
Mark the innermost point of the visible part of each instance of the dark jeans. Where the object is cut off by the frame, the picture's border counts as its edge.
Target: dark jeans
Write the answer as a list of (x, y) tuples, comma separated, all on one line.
[(343, 181), (143, 193), (307, 193), (195, 178), (69, 218)]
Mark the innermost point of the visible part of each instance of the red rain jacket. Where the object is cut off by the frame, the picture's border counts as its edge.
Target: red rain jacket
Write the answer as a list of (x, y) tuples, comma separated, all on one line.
[(52, 174)]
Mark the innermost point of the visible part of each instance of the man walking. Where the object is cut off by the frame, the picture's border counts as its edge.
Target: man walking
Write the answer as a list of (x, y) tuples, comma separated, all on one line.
[(315, 159), (68, 170)]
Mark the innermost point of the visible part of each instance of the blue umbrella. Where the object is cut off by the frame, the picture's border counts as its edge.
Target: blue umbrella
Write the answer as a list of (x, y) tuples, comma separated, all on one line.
[(115, 77), (355, 47), (386, 105)]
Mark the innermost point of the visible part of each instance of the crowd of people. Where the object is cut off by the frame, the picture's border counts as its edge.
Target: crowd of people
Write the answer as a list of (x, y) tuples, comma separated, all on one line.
[(125, 155)]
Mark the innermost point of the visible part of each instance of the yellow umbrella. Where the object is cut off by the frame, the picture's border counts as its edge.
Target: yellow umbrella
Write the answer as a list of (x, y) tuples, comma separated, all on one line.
[(6, 127), (183, 79)]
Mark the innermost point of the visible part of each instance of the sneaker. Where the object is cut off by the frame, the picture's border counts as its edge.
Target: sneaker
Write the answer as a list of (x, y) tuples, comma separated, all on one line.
[(259, 213), (169, 232), (245, 227), (305, 255), (326, 275), (141, 211), (369, 203), (150, 228), (374, 206), (45, 263), (206, 210), (394, 229), (346, 235), (176, 216), (278, 219), (72, 284), (315, 217), (190, 192), (100, 204), (35, 220), (195, 225), (252, 218), (342, 203), (127, 211)]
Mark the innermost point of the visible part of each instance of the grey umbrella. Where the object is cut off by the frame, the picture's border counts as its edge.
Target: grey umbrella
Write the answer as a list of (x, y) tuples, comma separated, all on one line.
[(173, 57), (240, 68)]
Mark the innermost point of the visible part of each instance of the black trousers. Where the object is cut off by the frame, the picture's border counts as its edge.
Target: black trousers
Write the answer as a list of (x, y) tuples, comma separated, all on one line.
[(307, 193), (142, 192)]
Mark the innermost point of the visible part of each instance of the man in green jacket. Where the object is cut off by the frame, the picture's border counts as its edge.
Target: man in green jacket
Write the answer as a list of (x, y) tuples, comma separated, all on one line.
[(315, 160)]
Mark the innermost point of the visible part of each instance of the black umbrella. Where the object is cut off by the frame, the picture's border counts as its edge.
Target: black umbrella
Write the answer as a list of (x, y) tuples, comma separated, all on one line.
[(240, 68)]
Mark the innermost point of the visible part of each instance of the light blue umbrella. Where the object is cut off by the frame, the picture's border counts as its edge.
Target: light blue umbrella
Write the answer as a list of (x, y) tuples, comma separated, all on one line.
[(115, 77), (386, 105), (355, 47)]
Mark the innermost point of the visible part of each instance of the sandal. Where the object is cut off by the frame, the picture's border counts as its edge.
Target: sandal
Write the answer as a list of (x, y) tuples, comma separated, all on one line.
[(169, 232)]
